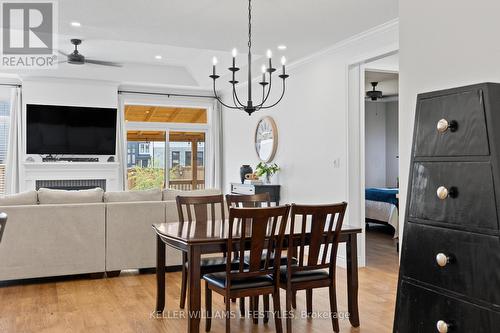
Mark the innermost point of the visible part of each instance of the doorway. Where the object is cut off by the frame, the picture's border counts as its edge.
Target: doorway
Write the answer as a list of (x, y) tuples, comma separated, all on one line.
[(358, 85), (381, 157)]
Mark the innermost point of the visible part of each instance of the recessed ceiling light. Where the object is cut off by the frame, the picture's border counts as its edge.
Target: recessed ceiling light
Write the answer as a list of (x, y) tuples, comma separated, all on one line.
[(282, 47), (158, 57), (76, 24)]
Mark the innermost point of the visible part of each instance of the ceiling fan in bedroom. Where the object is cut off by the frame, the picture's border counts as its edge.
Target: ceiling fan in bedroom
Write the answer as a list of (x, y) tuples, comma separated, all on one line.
[(375, 94), (76, 58)]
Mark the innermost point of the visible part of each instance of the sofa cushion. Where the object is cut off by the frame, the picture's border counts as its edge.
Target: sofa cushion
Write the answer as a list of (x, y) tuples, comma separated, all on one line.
[(170, 194), (50, 196), (19, 199), (133, 196)]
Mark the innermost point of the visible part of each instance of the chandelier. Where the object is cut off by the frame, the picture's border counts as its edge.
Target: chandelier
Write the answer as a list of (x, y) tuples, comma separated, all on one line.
[(266, 83)]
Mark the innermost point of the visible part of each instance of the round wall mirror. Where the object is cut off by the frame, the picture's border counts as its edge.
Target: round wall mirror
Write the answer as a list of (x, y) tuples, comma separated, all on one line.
[(266, 139)]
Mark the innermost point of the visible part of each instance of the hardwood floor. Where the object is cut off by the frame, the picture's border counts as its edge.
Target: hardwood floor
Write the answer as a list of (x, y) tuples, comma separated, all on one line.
[(125, 304)]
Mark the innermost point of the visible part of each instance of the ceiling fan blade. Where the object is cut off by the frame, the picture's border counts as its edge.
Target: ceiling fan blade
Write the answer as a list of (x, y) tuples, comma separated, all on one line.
[(62, 62), (103, 63), (62, 53)]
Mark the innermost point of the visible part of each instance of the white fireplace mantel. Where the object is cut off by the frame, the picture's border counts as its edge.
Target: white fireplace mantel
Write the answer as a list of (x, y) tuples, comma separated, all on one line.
[(34, 171)]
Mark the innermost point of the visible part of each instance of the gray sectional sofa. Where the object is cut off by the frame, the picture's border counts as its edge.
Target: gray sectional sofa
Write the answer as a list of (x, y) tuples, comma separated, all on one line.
[(54, 232)]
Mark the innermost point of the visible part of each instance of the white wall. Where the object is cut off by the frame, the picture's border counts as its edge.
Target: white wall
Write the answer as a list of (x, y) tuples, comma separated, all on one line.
[(392, 143), (381, 144), (443, 44), (375, 144)]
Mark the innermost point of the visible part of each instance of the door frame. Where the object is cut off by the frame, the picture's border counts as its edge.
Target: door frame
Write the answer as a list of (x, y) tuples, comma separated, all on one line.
[(355, 120)]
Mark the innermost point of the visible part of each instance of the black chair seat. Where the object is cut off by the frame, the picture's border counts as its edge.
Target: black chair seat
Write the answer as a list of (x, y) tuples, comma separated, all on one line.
[(219, 280), (303, 276), (215, 264)]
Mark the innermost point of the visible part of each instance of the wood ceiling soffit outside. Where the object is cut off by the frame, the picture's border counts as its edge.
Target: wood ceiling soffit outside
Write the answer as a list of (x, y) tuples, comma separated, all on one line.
[(146, 113), (160, 136)]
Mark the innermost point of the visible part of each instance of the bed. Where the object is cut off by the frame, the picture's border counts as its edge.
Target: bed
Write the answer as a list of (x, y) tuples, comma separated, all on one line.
[(382, 206)]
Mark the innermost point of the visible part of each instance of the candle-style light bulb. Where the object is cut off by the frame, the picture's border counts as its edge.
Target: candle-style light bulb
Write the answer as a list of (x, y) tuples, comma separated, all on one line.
[(283, 61), (263, 68), (214, 62), (269, 54), (235, 53)]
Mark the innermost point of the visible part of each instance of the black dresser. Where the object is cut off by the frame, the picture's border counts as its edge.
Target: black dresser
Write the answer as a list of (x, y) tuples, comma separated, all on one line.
[(449, 280)]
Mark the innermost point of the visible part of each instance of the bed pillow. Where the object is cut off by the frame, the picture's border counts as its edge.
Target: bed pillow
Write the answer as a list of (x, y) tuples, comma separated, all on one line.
[(133, 196), (19, 199), (170, 194), (51, 196)]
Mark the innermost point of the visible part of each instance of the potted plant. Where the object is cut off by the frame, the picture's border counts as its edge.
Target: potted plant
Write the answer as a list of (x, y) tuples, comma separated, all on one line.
[(267, 170)]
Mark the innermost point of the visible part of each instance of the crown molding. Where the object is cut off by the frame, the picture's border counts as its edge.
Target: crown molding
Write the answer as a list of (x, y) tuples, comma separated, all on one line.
[(387, 26)]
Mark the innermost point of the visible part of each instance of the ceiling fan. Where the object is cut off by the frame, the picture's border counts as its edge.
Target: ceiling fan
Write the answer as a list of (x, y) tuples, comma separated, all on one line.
[(76, 58), (376, 94)]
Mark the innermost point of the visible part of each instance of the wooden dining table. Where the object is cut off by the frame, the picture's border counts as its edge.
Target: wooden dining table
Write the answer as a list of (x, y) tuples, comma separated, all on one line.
[(199, 238)]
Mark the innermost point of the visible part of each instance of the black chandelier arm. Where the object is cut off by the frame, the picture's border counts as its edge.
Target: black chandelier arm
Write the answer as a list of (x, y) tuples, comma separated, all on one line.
[(221, 102), (264, 99), (279, 100), (235, 98)]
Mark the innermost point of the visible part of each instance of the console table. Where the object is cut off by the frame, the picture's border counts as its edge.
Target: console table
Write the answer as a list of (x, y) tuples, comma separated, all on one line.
[(273, 190)]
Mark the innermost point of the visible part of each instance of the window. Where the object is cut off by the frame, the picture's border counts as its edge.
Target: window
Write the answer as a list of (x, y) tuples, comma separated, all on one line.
[(147, 130), (176, 161), (4, 140), (143, 148), (147, 168)]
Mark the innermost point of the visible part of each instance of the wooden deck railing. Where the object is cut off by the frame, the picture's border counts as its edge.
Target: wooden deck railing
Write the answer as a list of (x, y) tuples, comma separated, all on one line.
[(187, 185)]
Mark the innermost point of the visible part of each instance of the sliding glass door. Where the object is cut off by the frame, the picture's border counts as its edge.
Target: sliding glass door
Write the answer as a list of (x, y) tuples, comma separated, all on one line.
[(146, 159), (166, 147), (187, 160)]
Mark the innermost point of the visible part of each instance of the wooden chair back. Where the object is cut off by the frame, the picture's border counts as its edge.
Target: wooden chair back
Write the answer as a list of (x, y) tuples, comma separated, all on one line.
[(200, 208), (317, 230), (248, 200), (264, 229)]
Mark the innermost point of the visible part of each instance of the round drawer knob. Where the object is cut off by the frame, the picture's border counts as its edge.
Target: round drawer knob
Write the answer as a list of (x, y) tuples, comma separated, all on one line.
[(442, 192), (442, 259), (443, 125), (442, 326)]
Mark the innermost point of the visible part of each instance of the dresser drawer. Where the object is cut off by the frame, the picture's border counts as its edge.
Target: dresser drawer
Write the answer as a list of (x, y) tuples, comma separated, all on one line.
[(420, 309), (242, 189), (470, 201), (466, 134), (474, 261)]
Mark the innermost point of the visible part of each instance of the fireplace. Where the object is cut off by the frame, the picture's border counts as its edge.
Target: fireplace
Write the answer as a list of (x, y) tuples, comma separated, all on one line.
[(71, 184)]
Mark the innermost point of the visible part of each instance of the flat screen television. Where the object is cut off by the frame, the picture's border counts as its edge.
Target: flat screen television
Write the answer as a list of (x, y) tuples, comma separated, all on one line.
[(70, 130)]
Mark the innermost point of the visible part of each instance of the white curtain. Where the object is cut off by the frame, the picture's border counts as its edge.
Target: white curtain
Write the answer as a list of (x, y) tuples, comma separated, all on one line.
[(121, 146), (214, 158), (15, 144)]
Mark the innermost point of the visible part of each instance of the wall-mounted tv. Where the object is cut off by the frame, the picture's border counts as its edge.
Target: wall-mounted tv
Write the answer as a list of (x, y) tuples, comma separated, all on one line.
[(70, 130)]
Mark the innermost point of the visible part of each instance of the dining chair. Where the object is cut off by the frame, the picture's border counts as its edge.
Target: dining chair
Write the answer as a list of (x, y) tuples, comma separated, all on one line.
[(3, 222), (261, 230), (247, 201), (314, 232), (201, 209)]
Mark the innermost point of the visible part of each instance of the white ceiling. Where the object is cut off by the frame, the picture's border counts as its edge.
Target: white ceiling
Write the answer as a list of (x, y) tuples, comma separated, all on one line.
[(188, 33)]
